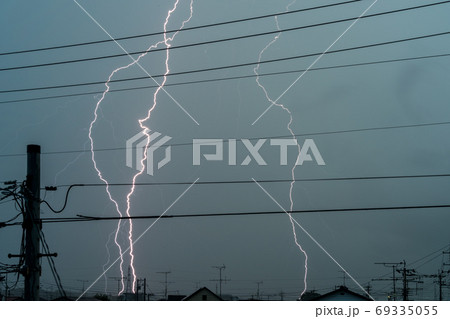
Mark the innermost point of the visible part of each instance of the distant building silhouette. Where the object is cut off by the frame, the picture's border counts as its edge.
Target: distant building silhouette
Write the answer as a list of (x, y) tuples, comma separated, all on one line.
[(309, 295), (341, 294)]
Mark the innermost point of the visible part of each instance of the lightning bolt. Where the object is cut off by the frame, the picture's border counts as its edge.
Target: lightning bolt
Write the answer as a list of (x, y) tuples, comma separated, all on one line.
[(107, 260), (284, 108), (145, 130)]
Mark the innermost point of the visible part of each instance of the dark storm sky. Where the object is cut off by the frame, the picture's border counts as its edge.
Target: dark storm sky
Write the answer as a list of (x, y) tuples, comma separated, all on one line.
[(252, 248)]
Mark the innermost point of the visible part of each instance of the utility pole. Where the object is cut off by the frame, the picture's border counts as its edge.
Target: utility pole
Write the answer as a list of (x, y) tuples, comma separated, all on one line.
[(145, 289), (119, 280), (368, 288), (343, 277), (137, 289), (444, 272), (405, 274), (394, 267), (405, 284), (165, 282), (257, 291), (440, 276), (6, 285), (32, 223), (139, 285), (220, 278), (83, 282)]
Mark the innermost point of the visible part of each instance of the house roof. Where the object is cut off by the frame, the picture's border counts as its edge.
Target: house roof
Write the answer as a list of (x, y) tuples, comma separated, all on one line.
[(199, 291), (341, 291)]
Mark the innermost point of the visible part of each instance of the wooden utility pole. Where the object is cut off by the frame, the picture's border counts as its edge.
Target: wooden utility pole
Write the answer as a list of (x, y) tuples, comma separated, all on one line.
[(32, 223), (405, 274), (394, 267)]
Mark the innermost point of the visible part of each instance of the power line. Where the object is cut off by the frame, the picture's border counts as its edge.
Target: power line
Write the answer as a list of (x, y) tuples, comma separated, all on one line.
[(52, 265), (240, 38), (428, 261), (416, 261), (195, 82), (83, 218), (72, 289), (70, 187), (261, 181), (12, 219), (182, 30), (250, 138), (430, 254), (366, 46), (65, 201)]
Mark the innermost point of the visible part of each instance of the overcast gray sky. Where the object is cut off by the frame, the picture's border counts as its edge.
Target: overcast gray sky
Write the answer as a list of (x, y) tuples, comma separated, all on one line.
[(253, 248)]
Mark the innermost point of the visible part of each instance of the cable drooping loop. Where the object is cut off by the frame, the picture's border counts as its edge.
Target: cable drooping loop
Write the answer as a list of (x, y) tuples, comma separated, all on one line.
[(65, 200)]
